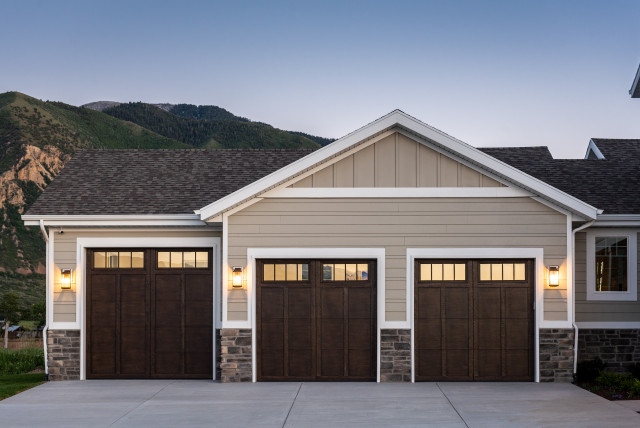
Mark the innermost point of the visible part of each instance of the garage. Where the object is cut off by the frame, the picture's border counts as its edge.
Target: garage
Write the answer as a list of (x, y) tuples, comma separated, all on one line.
[(149, 313), (474, 320), (316, 320)]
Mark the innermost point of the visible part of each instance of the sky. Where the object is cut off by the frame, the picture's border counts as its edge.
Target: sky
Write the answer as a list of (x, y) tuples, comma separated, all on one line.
[(490, 73)]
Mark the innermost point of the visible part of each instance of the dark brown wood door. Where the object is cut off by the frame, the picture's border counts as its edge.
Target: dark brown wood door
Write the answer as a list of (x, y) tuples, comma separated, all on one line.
[(474, 320), (317, 323), (146, 321)]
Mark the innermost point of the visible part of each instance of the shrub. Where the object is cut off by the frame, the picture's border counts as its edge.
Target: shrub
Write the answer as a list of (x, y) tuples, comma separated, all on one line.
[(17, 361), (623, 384), (634, 369), (588, 370)]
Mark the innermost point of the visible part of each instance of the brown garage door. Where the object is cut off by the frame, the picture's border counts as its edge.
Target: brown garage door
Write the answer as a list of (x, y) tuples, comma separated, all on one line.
[(149, 313), (316, 320), (474, 320)]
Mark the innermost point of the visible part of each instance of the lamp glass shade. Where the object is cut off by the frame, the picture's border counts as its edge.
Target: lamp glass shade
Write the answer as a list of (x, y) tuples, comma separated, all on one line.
[(236, 277), (66, 279), (554, 276)]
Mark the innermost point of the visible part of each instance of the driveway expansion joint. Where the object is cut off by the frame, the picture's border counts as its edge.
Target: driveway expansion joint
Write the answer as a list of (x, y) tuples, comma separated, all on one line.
[(292, 403), (145, 401), (452, 406)]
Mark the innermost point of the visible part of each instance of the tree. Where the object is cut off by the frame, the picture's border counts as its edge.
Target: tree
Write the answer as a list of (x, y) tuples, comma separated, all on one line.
[(39, 311), (9, 309)]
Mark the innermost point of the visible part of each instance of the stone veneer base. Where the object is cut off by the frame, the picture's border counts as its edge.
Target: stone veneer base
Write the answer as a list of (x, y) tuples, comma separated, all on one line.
[(235, 355), (556, 355), (63, 354), (395, 355), (616, 347)]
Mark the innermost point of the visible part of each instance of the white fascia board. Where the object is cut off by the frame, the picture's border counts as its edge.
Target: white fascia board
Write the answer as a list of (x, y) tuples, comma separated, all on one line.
[(397, 192), (115, 220), (620, 220), (593, 148), (401, 119)]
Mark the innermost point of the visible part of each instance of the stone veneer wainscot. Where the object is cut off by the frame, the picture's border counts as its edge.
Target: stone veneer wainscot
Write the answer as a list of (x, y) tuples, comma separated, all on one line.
[(556, 355), (63, 354), (235, 355), (395, 355), (618, 348)]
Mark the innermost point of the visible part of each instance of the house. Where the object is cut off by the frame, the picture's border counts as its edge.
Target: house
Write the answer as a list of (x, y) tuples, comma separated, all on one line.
[(396, 253)]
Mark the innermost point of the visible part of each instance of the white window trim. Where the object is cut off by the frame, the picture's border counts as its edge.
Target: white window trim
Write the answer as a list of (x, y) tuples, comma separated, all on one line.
[(314, 253), (631, 294), (127, 242), (483, 253)]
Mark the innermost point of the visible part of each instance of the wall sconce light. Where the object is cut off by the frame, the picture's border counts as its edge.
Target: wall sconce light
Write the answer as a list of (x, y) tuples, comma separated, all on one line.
[(236, 277), (554, 276), (66, 279)]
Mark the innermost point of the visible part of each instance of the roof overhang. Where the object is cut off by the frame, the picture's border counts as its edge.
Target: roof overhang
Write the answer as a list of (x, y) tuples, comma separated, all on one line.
[(635, 88), (617, 220), (402, 120), (164, 220)]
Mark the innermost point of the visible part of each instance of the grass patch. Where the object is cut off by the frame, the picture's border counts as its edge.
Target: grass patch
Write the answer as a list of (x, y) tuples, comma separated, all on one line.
[(13, 384), (20, 361)]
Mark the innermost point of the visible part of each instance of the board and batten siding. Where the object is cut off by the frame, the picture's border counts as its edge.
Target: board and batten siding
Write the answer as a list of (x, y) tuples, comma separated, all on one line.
[(64, 257), (599, 310), (397, 161), (397, 224)]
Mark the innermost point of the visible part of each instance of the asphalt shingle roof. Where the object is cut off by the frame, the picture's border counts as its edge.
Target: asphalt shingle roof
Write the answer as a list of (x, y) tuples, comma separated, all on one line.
[(611, 184), (113, 182)]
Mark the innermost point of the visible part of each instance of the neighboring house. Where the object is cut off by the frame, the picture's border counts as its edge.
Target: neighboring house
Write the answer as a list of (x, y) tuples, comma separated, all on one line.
[(396, 253), (635, 87)]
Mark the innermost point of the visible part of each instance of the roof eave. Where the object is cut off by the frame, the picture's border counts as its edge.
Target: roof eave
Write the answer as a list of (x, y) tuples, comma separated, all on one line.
[(160, 220)]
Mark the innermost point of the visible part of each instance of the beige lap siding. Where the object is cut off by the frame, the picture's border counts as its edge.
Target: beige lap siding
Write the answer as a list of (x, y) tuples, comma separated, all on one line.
[(398, 224), (64, 257), (599, 310)]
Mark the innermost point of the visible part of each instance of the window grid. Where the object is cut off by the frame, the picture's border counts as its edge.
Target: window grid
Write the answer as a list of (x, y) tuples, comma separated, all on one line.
[(285, 272), (443, 272), (502, 272), (183, 260), (118, 259), (345, 271)]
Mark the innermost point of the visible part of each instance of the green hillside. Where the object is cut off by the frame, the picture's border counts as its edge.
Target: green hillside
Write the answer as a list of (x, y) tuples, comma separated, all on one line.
[(191, 111), (209, 133)]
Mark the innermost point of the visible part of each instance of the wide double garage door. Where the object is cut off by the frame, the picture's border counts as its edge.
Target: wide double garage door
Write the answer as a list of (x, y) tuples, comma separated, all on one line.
[(149, 313), (316, 320), (474, 320)]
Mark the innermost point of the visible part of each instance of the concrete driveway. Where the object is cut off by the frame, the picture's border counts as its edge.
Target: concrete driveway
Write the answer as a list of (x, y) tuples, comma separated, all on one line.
[(161, 403)]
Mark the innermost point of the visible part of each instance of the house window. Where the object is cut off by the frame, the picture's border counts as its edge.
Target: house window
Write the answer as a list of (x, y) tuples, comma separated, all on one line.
[(611, 265)]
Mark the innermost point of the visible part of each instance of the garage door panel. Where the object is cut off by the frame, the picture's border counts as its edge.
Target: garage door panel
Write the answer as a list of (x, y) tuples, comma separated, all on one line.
[(457, 363), (103, 363), (457, 333), (489, 335), (299, 303), (517, 303), (300, 334), (359, 362), (168, 363), (488, 302), (167, 339), (198, 313), (429, 363), (272, 302), (359, 302), (198, 287), (103, 316), (518, 363), (429, 334), (429, 302), (489, 363), (272, 362), (332, 303), (272, 335), (517, 334), (198, 363), (456, 302), (103, 339), (197, 339), (103, 288), (167, 288), (301, 363), (332, 363), (359, 331), (332, 333)]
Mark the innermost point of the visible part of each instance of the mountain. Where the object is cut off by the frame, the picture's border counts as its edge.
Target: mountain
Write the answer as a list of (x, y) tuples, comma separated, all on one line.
[(36, 139), (208, 133)]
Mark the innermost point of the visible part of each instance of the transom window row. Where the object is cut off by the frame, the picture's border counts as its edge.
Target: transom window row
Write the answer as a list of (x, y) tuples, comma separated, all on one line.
[(118, 259), (183, 259), (457, 272), (286, 272), (502, 272)]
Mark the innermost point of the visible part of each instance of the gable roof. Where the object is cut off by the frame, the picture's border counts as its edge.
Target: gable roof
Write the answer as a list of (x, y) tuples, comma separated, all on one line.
[(119, 182), (610, 184), (421, 130)]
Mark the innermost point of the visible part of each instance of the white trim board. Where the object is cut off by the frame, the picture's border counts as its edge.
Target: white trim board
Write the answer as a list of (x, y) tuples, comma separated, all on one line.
[(593, 148), (128, 242), (632, 272), (422, 130), (481, 253), (604, 325), (396, 192), (115, 220), (313, 253)]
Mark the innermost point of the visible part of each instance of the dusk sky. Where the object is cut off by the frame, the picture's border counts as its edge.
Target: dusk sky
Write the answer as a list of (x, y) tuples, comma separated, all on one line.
[(491, 73)]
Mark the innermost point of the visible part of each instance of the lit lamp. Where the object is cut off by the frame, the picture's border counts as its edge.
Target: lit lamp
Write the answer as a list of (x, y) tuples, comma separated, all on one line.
[(236, 277), (554, 276), (66, 279)]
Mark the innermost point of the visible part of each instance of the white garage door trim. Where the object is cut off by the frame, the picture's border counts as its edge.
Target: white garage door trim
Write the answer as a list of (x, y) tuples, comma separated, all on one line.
[(480, 253)]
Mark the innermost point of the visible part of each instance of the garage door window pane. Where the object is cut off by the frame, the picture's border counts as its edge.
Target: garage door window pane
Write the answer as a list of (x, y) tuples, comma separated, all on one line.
[(460, 272), (448, 272), (202, 260), (112, 259), (137, 259), (292, 272), (189, 258), (519, 273), (507, 272), (269, 272), (363, 272), (281, 272), (164, 259), (176, 259), (339, 272), (485, 272), (425, 272), (303, 272), (124, 261), (351, 274), (496, 272), (436, 272), (99, 259), (327, 272)]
